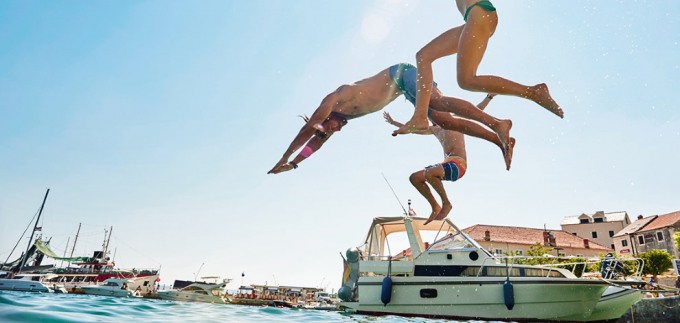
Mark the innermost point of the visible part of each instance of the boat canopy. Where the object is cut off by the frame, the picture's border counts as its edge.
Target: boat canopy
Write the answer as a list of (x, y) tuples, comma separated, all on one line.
[(448, 235), (44, 248)]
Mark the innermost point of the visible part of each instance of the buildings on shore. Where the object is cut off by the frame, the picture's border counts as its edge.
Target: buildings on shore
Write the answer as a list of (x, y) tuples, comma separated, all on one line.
[(586, 235)]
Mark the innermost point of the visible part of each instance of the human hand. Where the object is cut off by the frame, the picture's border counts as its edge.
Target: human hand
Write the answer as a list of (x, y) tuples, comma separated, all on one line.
[(388, 117), (278, 165), (281, 168)]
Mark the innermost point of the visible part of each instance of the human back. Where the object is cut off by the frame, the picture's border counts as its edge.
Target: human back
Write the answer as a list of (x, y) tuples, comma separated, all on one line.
[(366, 96), (453, 142)]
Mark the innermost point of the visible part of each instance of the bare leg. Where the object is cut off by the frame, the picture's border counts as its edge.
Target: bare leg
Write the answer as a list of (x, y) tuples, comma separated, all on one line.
[(434, 178), (468, 110), (444, 45), (418, 181), (472, 45), (474, 129)]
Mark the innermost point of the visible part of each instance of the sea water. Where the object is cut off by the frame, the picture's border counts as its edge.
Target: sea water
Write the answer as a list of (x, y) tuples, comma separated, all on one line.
[(44, 308)]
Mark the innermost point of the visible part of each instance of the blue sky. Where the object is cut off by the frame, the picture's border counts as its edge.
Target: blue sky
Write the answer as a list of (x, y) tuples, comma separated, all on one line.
[(162, 118)]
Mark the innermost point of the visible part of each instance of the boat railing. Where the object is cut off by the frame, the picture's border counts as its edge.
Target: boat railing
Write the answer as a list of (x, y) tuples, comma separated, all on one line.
[(607, 268), (510, 263)]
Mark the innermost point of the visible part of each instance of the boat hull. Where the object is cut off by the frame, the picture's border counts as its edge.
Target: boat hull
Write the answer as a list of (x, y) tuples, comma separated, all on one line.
[(176, 295), (24, 286), (107, 291), (615, 302), (480, 298)]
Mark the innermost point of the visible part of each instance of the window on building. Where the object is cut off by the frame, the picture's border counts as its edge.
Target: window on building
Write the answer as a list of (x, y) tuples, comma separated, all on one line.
[(519, 252), (611, 246), (584, 221), (598, 220), (624, 243), (641, 240), (659, 236), (594, 234), (578, 255), (498, 252), (611, 234)]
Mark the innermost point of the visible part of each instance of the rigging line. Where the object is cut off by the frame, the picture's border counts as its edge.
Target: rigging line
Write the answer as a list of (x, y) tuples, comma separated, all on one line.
[(135, 250), (22, 236), (395, 194)]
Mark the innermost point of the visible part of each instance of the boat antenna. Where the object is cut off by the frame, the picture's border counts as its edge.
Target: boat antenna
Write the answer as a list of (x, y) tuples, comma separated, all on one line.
[(199, 270), (395, 194)]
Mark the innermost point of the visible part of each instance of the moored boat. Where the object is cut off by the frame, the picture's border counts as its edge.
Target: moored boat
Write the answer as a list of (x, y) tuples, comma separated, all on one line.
[(455, 278), (209, 291), (31, 283), (115, 287)]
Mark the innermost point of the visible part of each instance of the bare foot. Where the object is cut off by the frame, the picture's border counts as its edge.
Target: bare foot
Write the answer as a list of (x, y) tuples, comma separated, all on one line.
[(541, 95), (433, 215), (507, 153), (446, 208), (503, 132), (412, 126)]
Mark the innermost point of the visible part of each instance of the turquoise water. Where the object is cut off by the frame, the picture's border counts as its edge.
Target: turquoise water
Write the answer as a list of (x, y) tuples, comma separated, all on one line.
[(44, 308)]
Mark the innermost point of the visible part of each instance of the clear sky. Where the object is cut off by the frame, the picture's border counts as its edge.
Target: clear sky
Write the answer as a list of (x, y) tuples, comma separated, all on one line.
[(161, 119)]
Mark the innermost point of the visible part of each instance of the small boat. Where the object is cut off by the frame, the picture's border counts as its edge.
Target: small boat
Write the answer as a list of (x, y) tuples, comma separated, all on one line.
[(31, 283), (623, 291), (116, 287), (455, 278), (282, 303), (199, 291), (615, 302)]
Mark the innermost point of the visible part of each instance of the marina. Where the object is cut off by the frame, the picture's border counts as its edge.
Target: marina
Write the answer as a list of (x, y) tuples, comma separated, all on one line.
[(368, 161), (406, 266)]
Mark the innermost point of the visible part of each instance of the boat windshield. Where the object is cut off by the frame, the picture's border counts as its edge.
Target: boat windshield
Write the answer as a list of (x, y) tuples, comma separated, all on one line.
[(452, 241)]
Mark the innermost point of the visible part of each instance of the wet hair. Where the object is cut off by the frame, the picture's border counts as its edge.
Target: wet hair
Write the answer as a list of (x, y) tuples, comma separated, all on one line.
[(321, 134), (338, 117)]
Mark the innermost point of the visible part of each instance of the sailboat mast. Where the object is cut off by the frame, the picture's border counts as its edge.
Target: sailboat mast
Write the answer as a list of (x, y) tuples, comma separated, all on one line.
[(65, 249), (106, 247), (75, 241), (30, 241)]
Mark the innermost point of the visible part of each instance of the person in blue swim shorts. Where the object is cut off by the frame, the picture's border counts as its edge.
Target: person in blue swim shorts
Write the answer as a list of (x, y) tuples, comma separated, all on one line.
[(372, 94), (451, 169)]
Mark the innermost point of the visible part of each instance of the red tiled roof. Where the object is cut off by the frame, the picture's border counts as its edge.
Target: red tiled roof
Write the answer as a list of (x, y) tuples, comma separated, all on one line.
[(527, 236), (662, 221), (636, 226)]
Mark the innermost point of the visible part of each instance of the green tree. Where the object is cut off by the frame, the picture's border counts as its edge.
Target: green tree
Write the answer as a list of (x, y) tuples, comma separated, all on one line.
[(677, 240), (537, 251), (657, 261)]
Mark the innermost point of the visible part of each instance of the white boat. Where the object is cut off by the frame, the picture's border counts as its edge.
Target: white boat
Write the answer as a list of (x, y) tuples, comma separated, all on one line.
[(623, 291), (615, 301), (455, 278), (111, 287), (31, 283), (199, 291)]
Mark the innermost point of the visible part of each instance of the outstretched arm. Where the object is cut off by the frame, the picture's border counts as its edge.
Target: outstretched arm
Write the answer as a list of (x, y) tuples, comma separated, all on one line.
[(482, 105), (307, 131), (311, 147), (388, 119)]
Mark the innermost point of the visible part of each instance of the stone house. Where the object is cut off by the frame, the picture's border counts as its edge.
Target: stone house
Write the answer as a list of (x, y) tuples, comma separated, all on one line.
[(599, 227), (645, 234)]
